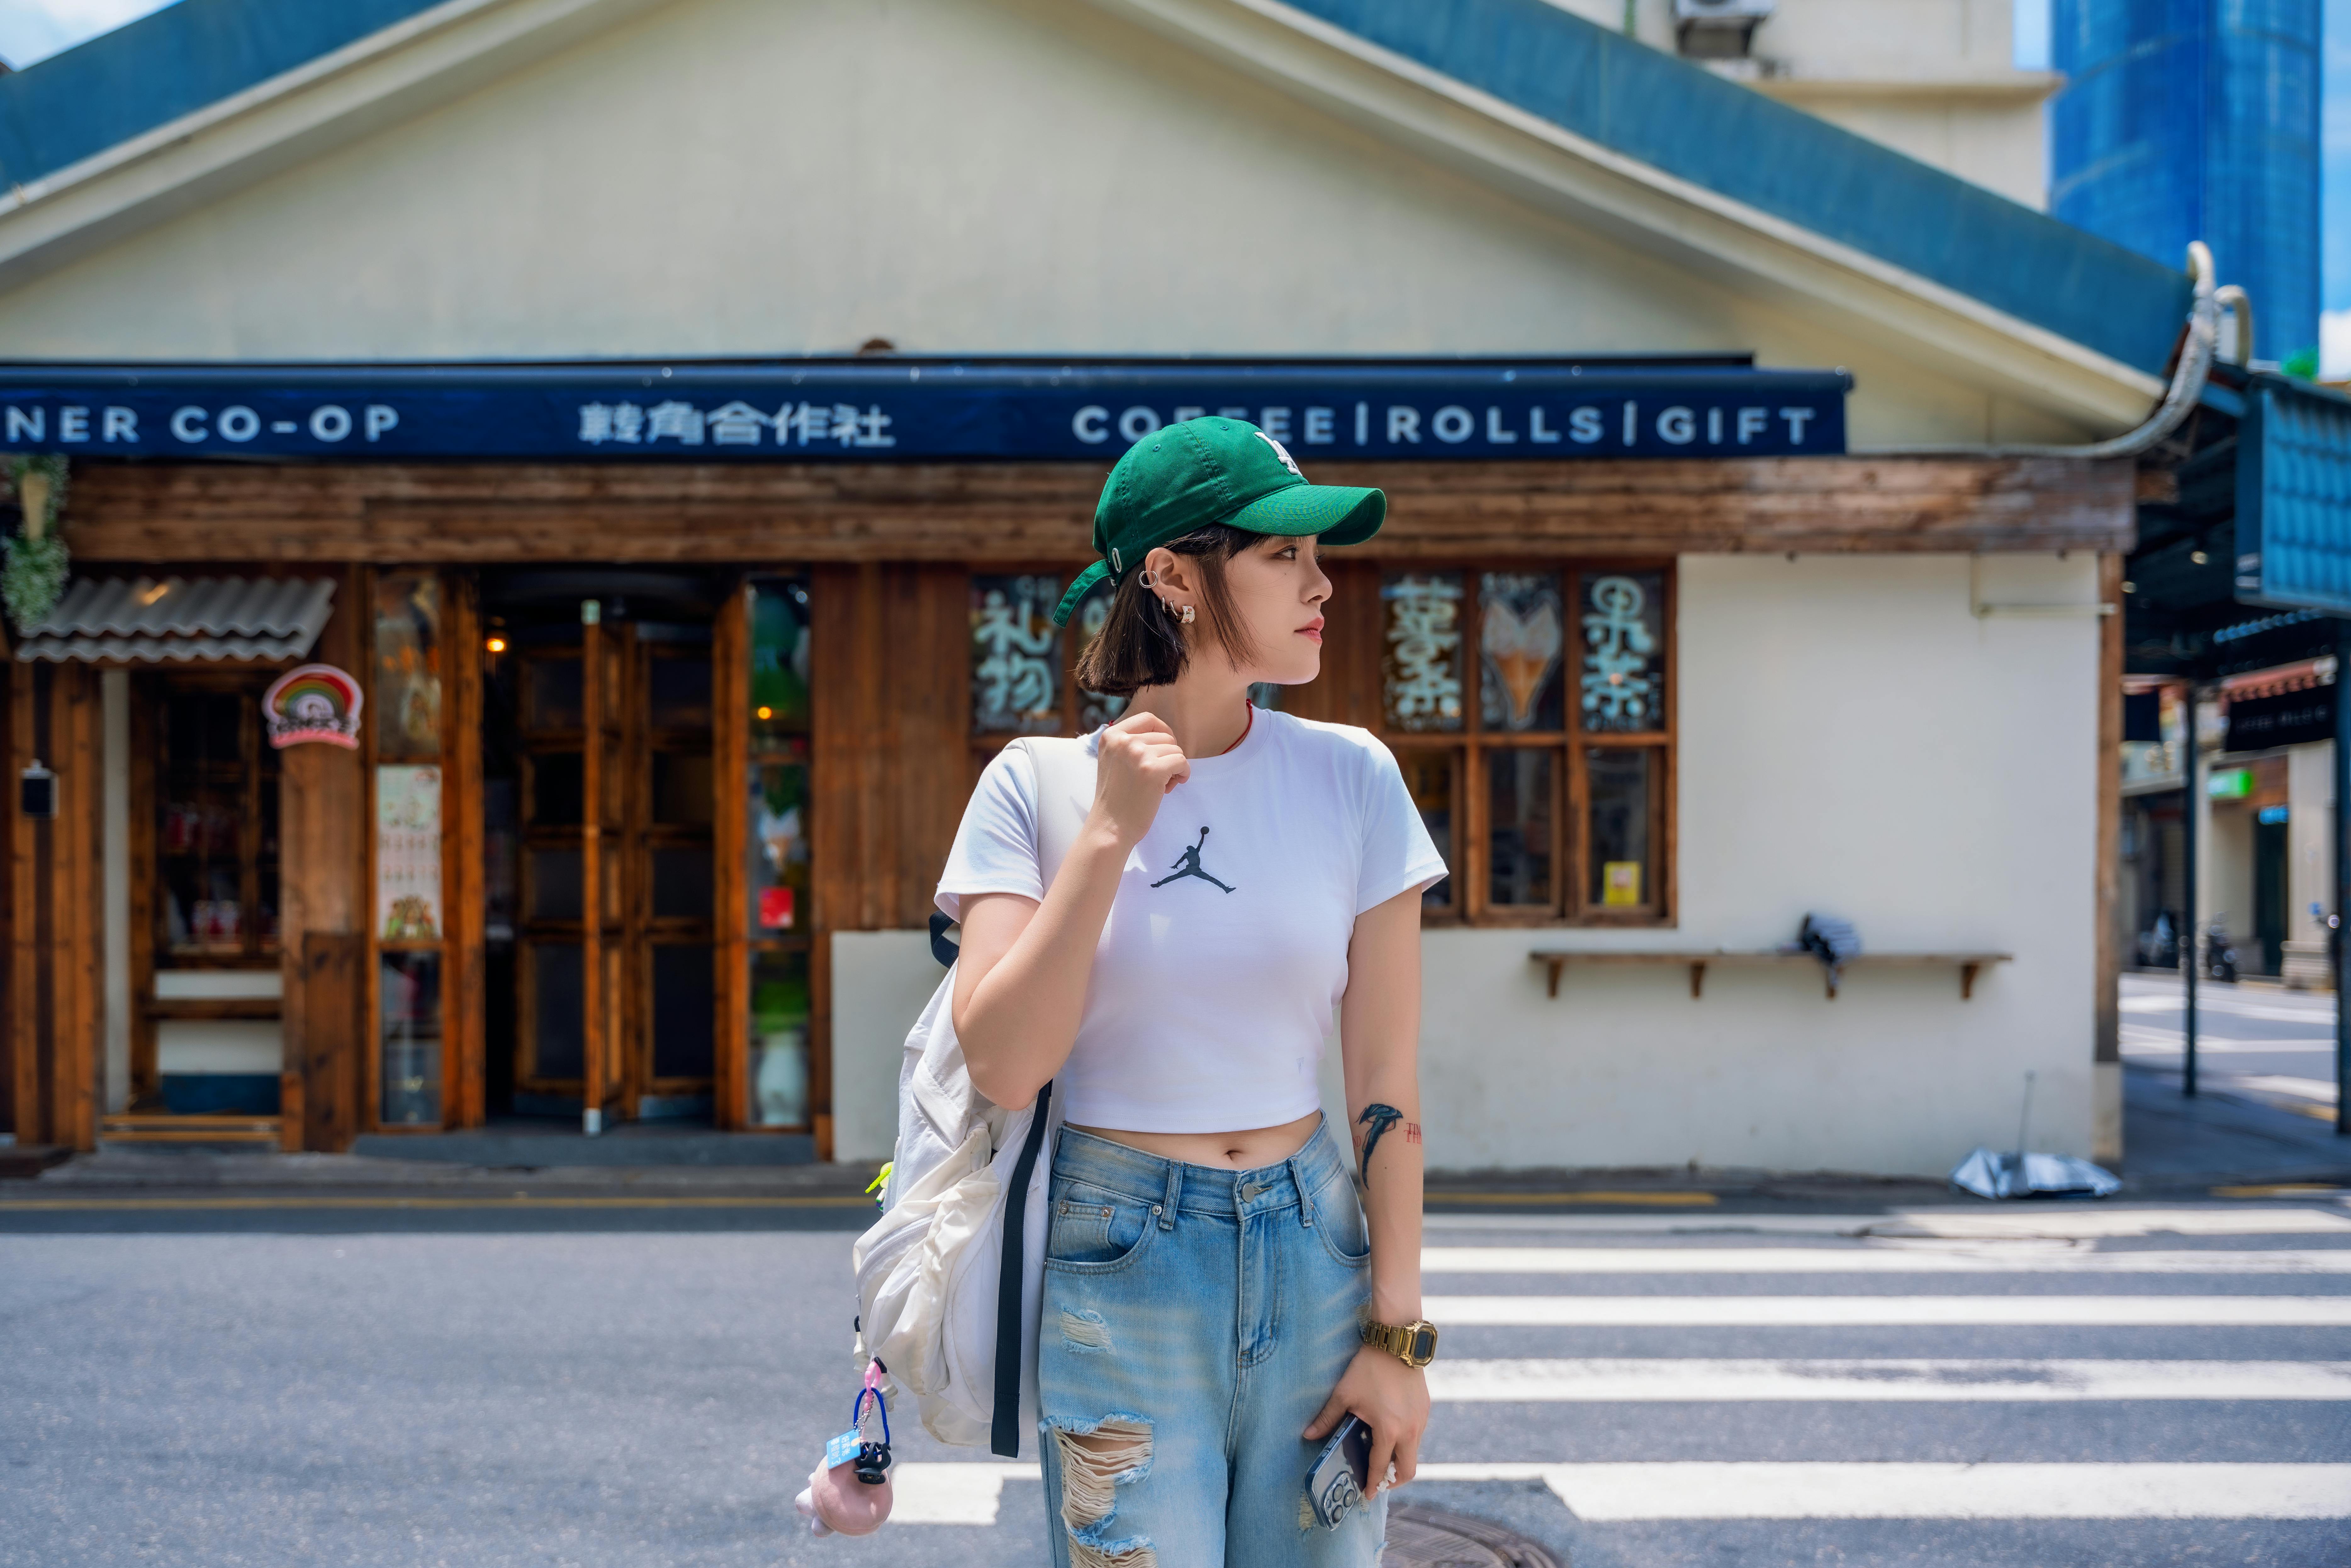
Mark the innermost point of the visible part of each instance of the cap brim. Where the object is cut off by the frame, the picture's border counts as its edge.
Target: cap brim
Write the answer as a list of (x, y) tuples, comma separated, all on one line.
[(1338, 514)]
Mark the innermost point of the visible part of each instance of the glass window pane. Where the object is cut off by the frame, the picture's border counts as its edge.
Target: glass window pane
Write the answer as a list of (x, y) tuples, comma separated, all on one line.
[(558, 788), (558, 979), (682, 885), (681, 694), (1420, 651), (1518, 645), (1623, 683), (556, 700), (407, 667), (1519, 826), (1429, 776), (1094, 709), (681, 788), (1621, 779), (685, 1009), (555, 884), (409, 990), (780, 1039), (780, 845), (780, 660), (1016, 656)]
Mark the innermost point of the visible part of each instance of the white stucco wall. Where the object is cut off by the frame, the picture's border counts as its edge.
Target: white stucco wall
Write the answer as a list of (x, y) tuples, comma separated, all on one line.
[(751, 177), (1854, 741)]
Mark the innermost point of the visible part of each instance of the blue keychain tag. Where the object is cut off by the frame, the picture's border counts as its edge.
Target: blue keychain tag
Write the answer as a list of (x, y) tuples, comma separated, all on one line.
[(842, 1447)]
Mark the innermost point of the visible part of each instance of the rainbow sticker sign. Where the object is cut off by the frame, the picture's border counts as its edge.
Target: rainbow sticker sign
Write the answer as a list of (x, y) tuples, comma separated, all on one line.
[(312, 701)]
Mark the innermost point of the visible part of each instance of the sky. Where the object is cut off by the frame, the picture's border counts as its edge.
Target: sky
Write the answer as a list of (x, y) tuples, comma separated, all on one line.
[(32, 30)]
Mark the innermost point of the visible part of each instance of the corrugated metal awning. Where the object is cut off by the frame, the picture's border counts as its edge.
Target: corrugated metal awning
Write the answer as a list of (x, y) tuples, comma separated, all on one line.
[(181, 620)]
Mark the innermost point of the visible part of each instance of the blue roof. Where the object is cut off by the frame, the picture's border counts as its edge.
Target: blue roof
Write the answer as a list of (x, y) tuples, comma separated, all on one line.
[(1649, 105), (171, 63)]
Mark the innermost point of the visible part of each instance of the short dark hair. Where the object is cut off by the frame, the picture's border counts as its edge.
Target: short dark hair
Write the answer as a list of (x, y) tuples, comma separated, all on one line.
[(1142, 644)]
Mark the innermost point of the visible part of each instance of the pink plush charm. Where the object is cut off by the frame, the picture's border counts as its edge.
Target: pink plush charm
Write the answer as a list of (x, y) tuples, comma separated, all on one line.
[(849, 1492)]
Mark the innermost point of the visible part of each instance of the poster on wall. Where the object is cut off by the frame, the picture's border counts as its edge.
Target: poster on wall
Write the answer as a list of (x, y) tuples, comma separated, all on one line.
[(408, 853)]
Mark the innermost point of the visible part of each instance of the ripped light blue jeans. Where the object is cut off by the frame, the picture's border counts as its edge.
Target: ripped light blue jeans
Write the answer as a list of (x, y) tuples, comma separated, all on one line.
[(1193, 1321)]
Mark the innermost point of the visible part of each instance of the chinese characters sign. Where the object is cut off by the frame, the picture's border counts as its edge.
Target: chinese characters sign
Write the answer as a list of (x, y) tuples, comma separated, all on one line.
[(902, 410)]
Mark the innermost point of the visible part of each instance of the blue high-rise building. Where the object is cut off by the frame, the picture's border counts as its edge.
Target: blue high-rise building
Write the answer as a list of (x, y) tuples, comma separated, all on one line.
[(2186, 120)]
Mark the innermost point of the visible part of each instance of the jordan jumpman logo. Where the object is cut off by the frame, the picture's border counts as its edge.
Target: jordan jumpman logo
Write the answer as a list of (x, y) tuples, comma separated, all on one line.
[(1188, 864)]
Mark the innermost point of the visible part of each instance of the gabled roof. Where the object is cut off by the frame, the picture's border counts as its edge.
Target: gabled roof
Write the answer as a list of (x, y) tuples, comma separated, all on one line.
[(1692, 124), (1630, 104), (173, 62)]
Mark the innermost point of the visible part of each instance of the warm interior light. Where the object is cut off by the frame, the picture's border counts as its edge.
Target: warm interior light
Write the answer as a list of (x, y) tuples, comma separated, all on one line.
[(496, 644), (766, 713)]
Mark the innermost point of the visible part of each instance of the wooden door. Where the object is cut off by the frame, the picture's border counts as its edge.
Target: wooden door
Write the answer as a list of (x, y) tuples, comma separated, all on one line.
[(570, 939)]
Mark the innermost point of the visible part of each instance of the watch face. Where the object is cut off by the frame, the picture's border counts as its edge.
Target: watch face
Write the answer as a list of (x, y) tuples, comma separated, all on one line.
[(1424, 1345)]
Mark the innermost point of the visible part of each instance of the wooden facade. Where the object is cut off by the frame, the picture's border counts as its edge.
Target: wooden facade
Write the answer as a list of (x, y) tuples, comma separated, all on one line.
[(888, 555)]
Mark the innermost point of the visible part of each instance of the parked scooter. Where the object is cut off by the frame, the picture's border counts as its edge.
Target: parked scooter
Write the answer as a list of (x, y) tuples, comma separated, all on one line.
[(2220, 952)]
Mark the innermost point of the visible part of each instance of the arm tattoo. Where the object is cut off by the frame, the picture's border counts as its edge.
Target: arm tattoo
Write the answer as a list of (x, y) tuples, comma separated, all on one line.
[(1377, 1119)]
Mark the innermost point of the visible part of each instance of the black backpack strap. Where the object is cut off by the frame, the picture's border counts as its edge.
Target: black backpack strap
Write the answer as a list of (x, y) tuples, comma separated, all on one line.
[(1005, 1434), (942, 949)]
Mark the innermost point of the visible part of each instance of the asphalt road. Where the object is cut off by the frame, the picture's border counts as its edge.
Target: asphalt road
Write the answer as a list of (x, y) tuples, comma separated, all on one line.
[(194, 1396), (2262, 1043)]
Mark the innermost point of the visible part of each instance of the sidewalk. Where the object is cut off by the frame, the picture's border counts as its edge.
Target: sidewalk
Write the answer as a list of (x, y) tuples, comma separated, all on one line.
[(2173, 1147)]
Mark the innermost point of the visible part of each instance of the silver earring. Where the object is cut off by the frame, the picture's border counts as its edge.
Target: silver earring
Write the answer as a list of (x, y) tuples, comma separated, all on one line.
[(1149, 579), (1184, 615)]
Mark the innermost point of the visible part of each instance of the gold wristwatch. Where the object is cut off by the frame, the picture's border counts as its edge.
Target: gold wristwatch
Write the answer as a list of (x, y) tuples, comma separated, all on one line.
[(1413, 1343)]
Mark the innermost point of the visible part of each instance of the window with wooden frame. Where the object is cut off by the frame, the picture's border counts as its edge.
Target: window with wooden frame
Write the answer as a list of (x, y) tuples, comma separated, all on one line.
[(1531, 708), (1021, 664), (780, 1075)]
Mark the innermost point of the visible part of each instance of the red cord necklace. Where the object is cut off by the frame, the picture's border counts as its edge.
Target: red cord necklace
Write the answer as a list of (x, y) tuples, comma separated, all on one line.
[(1246, 725)]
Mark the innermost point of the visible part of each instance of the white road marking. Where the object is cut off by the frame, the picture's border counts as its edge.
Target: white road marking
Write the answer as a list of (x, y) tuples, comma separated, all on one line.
[(1604, 1494), (1880, 1258), (1974, 1380), (955, 1492), (2150, 1042), (2209, 1002), (971, 1493), (2076, 1222), (1859, 1311)]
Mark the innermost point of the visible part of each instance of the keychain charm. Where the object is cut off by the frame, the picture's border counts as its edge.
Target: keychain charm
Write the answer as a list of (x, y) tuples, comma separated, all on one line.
[(848, 1493)]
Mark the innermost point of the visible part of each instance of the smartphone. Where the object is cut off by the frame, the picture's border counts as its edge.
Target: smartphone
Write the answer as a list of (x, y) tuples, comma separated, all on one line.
[(1342, 1473)]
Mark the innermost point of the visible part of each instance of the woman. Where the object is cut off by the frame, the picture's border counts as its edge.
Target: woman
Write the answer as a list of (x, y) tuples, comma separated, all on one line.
[(1215, 1304)]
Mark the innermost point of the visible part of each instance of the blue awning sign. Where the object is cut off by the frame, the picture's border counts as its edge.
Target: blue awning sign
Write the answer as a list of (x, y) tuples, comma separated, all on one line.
[(892, 410), (2294, 496)]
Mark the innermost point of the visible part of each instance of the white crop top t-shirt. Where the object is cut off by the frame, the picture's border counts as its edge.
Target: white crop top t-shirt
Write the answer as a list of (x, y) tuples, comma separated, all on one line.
[(1225, 949)]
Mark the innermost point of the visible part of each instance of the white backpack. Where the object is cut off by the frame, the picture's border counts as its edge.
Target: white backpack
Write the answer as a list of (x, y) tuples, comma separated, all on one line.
[(949, 1277)]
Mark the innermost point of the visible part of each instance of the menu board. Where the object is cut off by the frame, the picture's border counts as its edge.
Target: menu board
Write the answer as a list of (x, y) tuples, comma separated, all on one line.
[(408, 853)]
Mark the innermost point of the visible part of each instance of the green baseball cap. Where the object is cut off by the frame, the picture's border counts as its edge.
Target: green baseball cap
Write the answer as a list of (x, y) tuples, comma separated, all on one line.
[(1213, 470)]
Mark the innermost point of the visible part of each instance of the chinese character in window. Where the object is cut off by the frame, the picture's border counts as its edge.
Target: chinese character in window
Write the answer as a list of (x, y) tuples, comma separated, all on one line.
[(1014, 670), (1619, 691), (595, 422), (736, 424), (1423, 638), (680, 421)]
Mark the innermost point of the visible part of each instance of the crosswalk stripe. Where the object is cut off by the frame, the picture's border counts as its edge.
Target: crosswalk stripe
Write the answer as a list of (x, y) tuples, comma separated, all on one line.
[(971, 1493), (1609, 1493), (1875, 1258), (1858, 1311), (1912, 1378)]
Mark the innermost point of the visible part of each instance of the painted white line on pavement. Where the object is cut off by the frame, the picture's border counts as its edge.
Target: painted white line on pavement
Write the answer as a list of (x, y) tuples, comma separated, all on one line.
[(1880, 1258), (1604, 1494), (1652, 1380), (928, 1492), (1861, 1311), (972, 1493), (2073, 1223)]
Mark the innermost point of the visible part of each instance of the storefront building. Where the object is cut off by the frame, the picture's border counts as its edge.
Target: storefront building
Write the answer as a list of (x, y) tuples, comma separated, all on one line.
[(473, 404)]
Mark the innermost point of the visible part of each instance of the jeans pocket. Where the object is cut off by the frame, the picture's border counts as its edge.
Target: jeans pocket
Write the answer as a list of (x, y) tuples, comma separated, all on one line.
[(1092, 1230), (1338, 1221)]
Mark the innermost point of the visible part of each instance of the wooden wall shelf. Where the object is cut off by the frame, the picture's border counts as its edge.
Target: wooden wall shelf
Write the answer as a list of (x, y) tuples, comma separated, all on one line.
[(1968, 965)]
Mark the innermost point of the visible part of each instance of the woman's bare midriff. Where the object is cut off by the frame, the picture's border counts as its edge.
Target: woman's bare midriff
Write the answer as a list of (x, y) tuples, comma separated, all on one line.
[(1239, 1151)]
